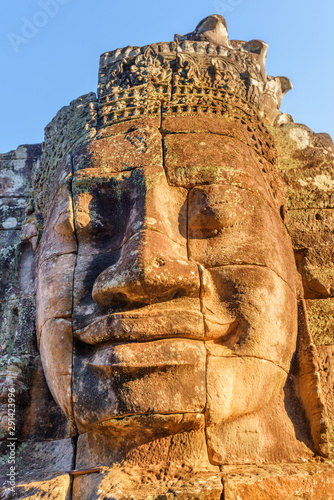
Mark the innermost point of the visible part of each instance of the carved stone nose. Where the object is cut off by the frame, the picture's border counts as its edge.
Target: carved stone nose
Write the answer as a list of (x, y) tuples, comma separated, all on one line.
[(151, 269)]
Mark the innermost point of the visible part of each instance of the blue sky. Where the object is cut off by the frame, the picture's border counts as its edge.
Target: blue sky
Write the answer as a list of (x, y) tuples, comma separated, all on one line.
[(48, 59)]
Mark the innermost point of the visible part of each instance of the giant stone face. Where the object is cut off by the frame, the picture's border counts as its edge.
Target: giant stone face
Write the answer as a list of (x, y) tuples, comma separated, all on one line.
[(166, 282)]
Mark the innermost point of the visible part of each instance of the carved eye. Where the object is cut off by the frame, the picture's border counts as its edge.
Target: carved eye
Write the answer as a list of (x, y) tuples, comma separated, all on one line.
[(211, 220)]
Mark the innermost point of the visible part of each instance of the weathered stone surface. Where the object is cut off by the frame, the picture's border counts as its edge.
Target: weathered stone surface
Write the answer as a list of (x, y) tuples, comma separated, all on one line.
[(241, 305), (109, 209), (55, 289), (58, 488), (15, 377), (207, 158), (140, 485), (212, 29), (325, 356), (310, 187), (311, 481), (228, 225), (208, 124), (161, 455), (15, 170), (56, 347), (43, 418), (39, 460), (180, 318), (309, 228), (320, 315), (239, 386), (266, 436), (119, 128), (299, 147), (151, 268), (139, 147), (73, 125), (315, 265), (12, 212), (16, 262), (150, 437), (17, 327), (307, 384), (59, 234)]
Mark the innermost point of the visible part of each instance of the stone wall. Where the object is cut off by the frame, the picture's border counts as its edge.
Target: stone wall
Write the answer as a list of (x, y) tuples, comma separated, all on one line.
[(306, 161), (41, 429)]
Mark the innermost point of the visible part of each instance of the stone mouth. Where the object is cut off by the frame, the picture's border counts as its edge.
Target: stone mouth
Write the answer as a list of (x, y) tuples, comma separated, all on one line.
[(142, 326)]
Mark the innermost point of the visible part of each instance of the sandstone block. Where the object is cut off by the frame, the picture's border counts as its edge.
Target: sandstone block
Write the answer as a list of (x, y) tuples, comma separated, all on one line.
[(210, 159), (239, 386), (311, 481), (151, 268), (55, 289), (326, 370), (180, 318), (16, 167), (310, 228), (17, 328), (57, 488), (228, 225), (17, 266), (309, 187), (139, 147), (111, 209), (267, 435), (249, 311), (56, 347), (12, 212), (43, 418), (320, 315)]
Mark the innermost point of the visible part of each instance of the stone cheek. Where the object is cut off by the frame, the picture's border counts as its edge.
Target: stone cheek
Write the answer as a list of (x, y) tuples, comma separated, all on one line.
[(249, 311), (230, 225), (54, 300)]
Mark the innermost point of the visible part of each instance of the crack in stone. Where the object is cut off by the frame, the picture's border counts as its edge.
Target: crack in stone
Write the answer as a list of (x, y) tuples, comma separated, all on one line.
[(135, 415), (251, 356), (73, 283), (200, 271)]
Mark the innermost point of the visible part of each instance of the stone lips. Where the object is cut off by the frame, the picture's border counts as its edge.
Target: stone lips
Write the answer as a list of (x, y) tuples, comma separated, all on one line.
[(153, 324)]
